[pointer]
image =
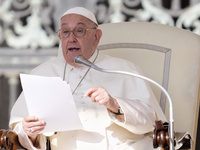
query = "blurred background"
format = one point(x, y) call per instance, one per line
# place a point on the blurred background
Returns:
point(28, 33)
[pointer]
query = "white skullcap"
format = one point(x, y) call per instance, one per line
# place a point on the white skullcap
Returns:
point(83, 12)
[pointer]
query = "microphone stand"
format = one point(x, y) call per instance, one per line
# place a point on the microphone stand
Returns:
point(82, 60)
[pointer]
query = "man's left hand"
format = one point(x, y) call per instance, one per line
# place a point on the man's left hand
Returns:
point(101, 96)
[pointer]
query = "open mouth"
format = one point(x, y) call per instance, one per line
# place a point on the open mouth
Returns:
point(73, 49)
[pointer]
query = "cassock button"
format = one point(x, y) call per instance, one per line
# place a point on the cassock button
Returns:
point(80, 76)
point(82, 102)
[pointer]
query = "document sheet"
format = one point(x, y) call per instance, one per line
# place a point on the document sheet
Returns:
point(51, 100)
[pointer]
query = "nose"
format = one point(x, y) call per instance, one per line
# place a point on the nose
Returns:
point(72, 37)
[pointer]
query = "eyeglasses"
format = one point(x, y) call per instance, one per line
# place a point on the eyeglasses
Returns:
point(78, 32)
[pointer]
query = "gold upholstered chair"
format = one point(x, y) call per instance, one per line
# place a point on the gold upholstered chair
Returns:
point(166, 54)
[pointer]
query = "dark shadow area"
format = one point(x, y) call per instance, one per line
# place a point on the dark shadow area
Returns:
point(198, 134)
point(4, 102)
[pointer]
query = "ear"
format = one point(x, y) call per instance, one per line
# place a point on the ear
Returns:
point(59, 35)
point(97, 37)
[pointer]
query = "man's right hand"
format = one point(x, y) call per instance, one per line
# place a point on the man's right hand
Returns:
point(33, 126)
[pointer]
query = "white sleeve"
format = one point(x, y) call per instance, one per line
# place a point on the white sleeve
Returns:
point(26, 142)
point(139, 116)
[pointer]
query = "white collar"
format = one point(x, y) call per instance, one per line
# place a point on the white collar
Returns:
point(69, 67)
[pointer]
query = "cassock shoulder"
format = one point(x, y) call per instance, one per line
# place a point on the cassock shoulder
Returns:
point(53, 67)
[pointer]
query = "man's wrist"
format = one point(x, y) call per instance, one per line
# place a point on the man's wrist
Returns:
point(120, 112)
point(35, 141)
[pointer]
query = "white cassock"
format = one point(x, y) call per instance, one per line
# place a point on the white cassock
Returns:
point(102, 131)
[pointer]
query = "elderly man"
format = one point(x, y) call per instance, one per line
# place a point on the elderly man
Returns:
point(117, 112)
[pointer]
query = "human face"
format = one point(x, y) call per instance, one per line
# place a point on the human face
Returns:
point(72, 45)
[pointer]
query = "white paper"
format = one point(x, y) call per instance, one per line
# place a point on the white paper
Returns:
point(51, 100)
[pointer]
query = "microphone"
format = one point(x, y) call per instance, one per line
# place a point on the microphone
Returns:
point(79, 59)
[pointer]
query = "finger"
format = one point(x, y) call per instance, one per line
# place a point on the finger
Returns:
point(102, 99)
point(36, 129)
point(29, 126)
point(31, 118)
point(89, 92)
point(93, 99)
point(97, 96)
point(37, 123)
point(103, 102)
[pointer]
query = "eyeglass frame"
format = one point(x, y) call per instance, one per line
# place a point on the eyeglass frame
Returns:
point(94, 28)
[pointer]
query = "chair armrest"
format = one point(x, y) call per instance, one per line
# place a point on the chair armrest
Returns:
point(9, 140)
point(182, 140)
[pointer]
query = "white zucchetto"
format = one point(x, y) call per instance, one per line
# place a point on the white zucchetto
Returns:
point(81, 11)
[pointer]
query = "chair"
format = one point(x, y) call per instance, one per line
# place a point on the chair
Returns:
point(9, 140)
point(168, 55)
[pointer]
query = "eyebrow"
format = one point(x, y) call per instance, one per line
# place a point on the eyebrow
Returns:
point(79, 23)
